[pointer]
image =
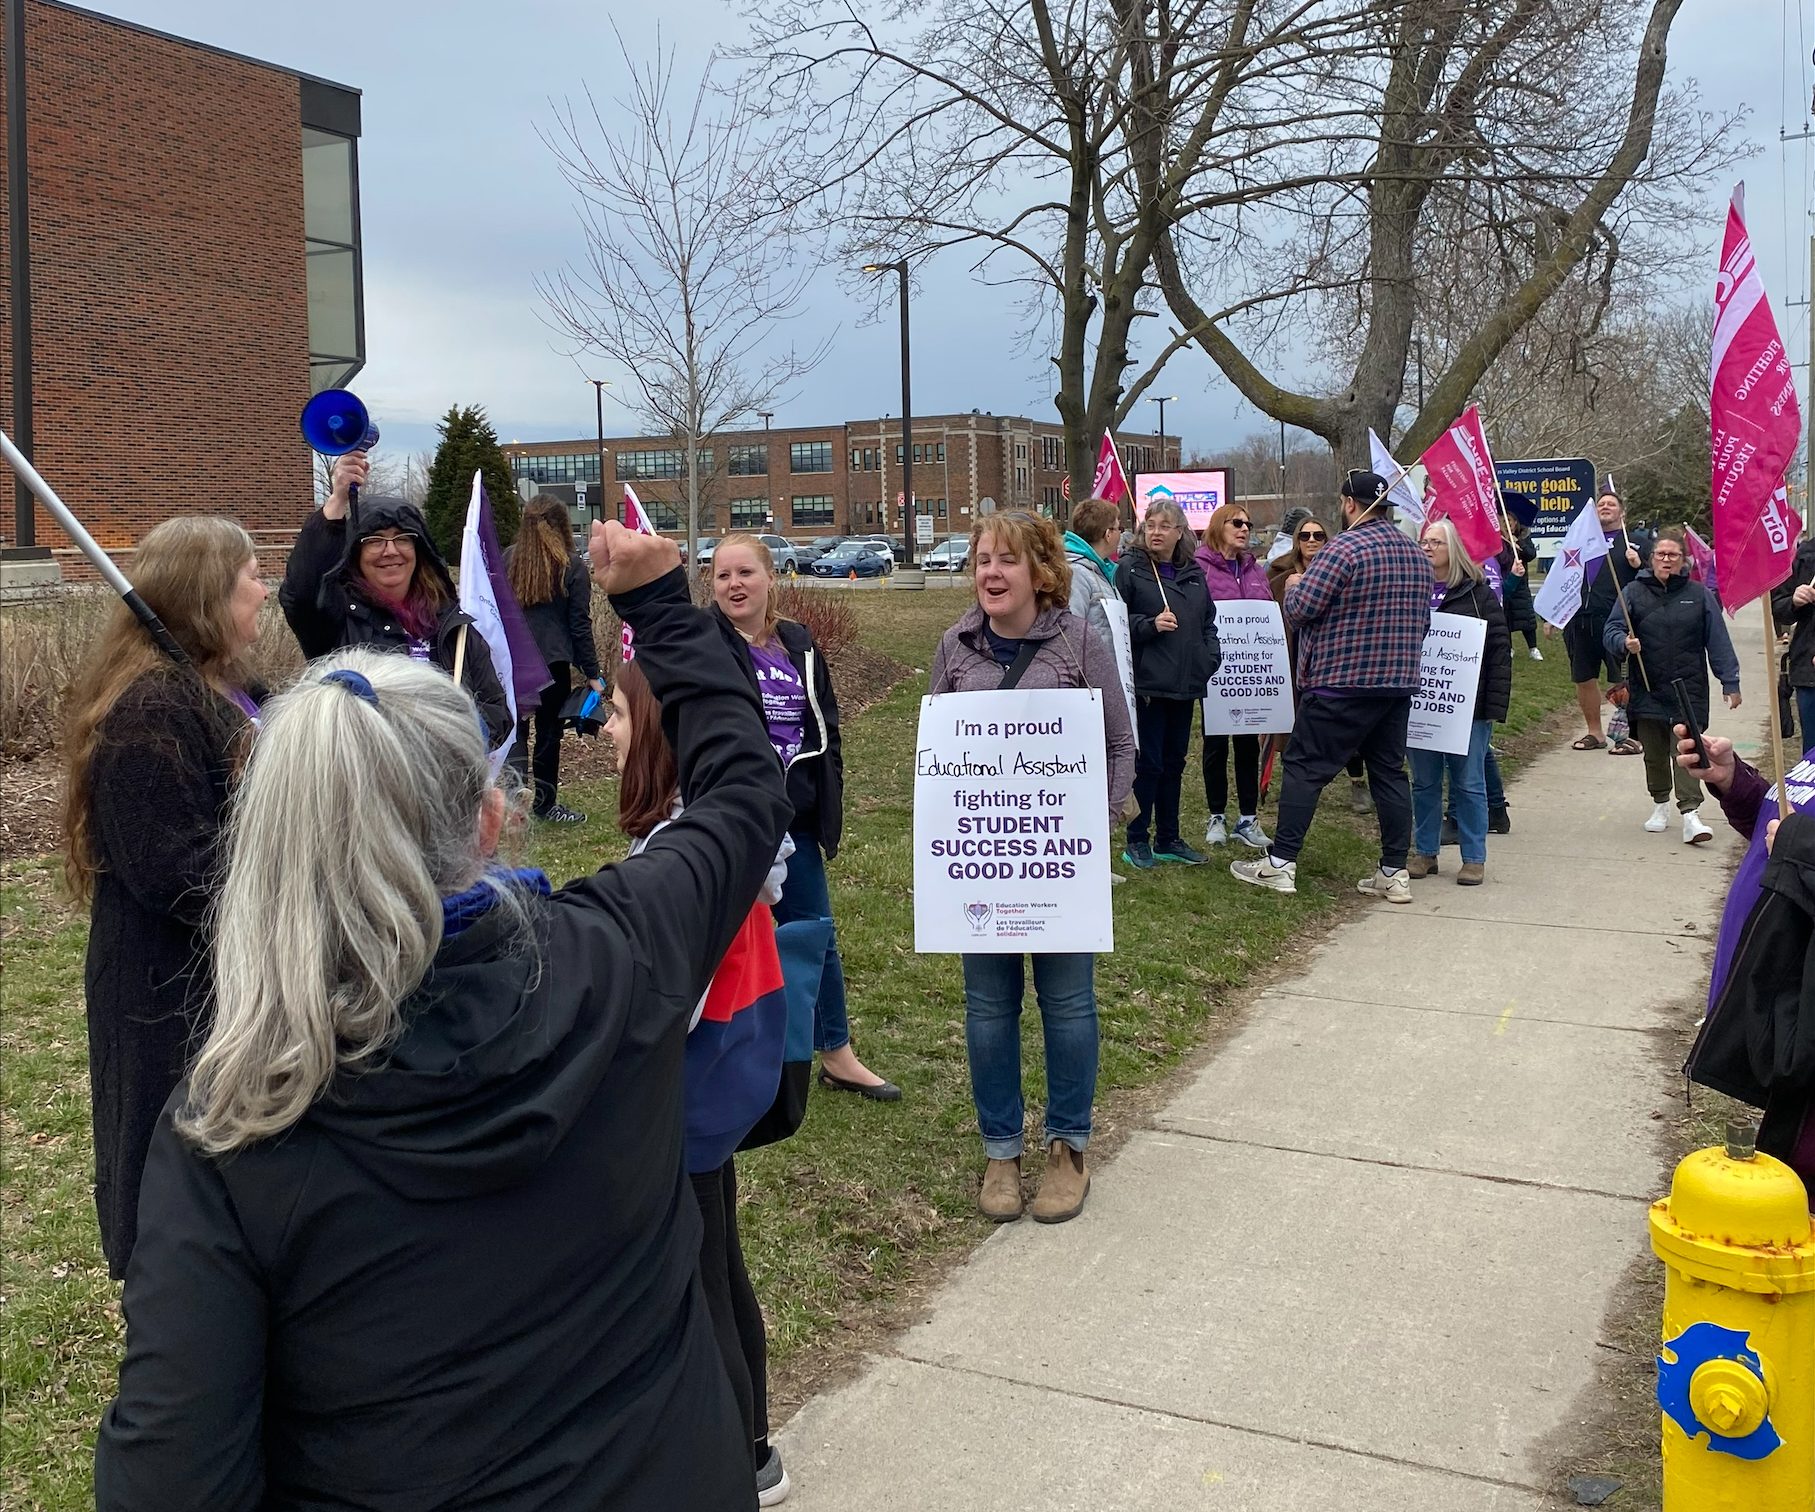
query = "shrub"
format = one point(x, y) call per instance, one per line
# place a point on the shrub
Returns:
point(827, 612)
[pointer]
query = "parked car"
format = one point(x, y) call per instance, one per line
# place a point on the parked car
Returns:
point(893, 545)
point(788, 558)
point(951, 555)
point(708, 545)
point(863, 558)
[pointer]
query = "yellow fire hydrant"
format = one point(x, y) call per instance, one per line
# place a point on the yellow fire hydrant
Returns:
point(1736, 1374)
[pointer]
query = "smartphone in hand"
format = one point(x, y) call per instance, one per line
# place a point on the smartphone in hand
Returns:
point(1685, 712)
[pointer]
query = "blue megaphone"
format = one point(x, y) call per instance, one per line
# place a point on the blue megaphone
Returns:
point(334, 423)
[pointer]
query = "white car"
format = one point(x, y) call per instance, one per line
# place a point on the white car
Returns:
point(948, 556)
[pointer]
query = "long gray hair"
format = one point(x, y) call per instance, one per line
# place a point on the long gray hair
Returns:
point(357, 813)
point(1462, 567)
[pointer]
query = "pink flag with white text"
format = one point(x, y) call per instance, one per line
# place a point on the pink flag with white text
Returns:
point(1756, 422)
point(1701, 556)
point(1110, 482)
point(635, 518)
point(1462, 486)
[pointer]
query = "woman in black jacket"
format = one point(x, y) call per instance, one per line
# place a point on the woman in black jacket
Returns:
point(150, 749)
point(1461, 588)
point(1793, 607)
point(801, 711)
point(550, 582)
point(1515, 559)
point(417, 1232)
point(381, 583)
point(1173, 626)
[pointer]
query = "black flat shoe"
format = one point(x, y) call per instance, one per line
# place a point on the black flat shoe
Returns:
point(881, 1092)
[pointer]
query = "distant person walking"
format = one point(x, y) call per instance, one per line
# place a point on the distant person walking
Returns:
point(1233, 574)
point(1676, 631)
point(1362, 609)
point(1516, 558)
point(1461, 588)
point(1175, 653)
point(554, 587)
point(1585, 636)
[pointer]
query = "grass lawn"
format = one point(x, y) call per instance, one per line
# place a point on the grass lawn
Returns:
point(841, 1223)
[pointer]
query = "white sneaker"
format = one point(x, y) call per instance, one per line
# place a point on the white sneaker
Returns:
point(1659, 820)
point(1536, 654)
point(1395, 887)
point(1217, 833)
point(1264, 871)
point(1249, 832)
point(1694, 831)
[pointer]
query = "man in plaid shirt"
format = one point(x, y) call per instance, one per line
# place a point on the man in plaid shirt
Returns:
point(1361, 609)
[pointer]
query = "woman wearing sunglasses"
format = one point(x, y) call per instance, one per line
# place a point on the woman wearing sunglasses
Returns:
point(1233, 573)
point(1309, 538)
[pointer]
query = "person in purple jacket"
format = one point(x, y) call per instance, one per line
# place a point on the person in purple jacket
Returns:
point(1233, 573)
point(1020, 631)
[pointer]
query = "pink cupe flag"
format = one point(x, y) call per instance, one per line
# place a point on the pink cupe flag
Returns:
point(635, 518)
point(1462, 485)
point(1756, 423)
point(1701, 556)
point(1110, 482)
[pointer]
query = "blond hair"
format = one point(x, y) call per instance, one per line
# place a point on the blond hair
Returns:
point(765, 559)
point(1462, 567)
point(542, 552)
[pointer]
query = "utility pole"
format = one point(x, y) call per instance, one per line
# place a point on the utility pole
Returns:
point(599, 385)
point(18, 226)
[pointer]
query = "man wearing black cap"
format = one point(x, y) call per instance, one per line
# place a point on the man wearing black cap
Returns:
point(1361, 609)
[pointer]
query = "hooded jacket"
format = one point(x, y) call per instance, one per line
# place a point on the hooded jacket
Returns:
point(1493, 689)
point(1092, 585)
point(1067, 655)
point(327, 610)
point(1798, 619)
point(1169, 663)
point(1244, 577)
point(467, 1277)
point(1681, 633)
point(1516, 586)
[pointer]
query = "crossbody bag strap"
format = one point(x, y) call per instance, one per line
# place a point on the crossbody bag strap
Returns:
point(1024, 658)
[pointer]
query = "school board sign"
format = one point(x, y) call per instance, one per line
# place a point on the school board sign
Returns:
point(1251, 693)
point(1560, 485)
point(1011, 823)
point(1443, 709)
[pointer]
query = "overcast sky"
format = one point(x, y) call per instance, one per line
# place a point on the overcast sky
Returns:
point(463, 207)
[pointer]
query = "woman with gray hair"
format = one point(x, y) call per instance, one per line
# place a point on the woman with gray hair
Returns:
point(416, 1232)
point(1461, 588)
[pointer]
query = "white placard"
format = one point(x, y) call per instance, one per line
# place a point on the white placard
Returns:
point(1443, 711)
point(1121, 641)
point(1251, 693)
point(1011, 823)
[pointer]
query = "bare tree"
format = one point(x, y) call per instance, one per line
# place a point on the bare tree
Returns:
point(682, 283)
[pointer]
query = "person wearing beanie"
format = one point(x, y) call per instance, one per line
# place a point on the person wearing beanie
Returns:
point(1361, 610)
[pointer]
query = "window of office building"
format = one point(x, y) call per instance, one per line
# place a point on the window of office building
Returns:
point(749, 514)
point(812, 509)
point(810, 456)
point(666, 516)
point(331, 244)
point(939, 508)
point(650, 464)
point(559, 467)
point(1052, 453)
point(1020, 480)
point(1049, 499)
point(748, 461)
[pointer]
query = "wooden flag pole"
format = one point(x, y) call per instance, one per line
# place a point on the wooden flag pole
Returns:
point(1620, 593)
point(1783, 796)
point(459, 654)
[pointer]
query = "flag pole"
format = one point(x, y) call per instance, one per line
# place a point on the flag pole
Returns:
point(1783, 796)
point(1631, 629)
point(459, 654)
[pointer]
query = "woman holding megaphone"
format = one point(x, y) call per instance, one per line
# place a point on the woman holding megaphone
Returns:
point(378, 581)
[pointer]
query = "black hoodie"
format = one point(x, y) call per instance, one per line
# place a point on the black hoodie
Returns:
point(467, 1277)
point(326, 609)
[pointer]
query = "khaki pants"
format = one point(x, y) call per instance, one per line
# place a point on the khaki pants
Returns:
point(1662, 774)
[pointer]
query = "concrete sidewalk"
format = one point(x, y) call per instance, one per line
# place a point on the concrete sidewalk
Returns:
point(1361, 1260)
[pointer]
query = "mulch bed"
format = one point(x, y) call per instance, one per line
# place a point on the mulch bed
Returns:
point(31, 791)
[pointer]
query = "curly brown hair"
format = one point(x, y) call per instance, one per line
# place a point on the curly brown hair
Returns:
point(1038, 540)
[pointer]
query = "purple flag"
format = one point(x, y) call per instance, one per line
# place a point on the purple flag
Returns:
point(485, 595)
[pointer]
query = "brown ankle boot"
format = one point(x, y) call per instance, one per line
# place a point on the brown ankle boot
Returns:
point(1063, 1185)
point(1001, 1197)
point(1421, 866)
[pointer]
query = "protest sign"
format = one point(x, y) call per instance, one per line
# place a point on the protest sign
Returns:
point(1011, 823)
point(1251, 693)
point(1560, 485)
point(1443, 710)
point(1121, 641)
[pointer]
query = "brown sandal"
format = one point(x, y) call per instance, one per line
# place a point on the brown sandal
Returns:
point(1626, 746)
point(1587, 743)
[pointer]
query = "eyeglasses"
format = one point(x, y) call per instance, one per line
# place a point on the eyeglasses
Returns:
point(1312, 535)
point(376, 544)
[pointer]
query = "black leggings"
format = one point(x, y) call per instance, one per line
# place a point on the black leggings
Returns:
point(737, 1320)
point(541, 761)
point(1247, 773)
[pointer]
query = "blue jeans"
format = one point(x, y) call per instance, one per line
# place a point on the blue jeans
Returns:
point(1065, 985)
point(1496, 788)
point(1468, 791)
point(805, 894)
point(1805, 717)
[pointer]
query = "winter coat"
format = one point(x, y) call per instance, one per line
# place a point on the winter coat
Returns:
point(1243, 577)
point(1092, 585)
point(327, 610)
point(562, 626)
point(1169, 663)
point(1681, 633)
point(1493, 689)
point(468, 1276)
point(1520, 615)
point(816, 774)
point(157, 799)
point(1068, 655)
point(1799, 620)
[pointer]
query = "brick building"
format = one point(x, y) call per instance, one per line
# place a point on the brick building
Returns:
point(840, 479)
point(195, 275)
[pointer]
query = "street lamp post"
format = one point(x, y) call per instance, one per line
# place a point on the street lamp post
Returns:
point(908, 511)
point(768, 476)
point(599, 385)
point(1162, 400)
